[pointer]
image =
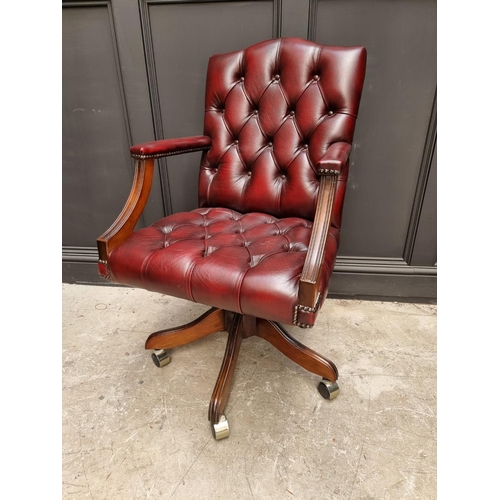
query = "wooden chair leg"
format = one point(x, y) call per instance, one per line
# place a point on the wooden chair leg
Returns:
point(211, 322)
point(240, 327)
point(223, 385)
point(275, 334)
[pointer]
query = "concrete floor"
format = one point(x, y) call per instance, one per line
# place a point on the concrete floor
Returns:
point(133, 431)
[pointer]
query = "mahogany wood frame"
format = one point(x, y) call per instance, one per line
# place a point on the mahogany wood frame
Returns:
point(215, 320)
point(125, 223)
point(239, 327)
point(308, 284)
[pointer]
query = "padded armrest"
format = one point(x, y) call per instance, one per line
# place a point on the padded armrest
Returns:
point(168, 147)
point(335, 158)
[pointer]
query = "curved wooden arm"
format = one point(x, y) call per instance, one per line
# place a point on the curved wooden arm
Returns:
point(145, 155)
point(329, 169)
point(124, 225)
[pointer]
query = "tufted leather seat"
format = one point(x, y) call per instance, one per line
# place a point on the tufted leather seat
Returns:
point(247, 263)
point(260, 249)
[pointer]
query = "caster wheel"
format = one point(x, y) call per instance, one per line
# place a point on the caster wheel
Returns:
point(328, 389)
point(221, 430)
point(160, 357)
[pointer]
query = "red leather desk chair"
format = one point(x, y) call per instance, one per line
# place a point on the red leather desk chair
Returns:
point(260, 250)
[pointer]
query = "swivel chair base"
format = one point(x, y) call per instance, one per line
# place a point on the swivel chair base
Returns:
point(240, 327)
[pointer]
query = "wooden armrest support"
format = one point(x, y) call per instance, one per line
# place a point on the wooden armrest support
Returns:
point(329, 168)
point(124, 225)
point(145, 155)
point(169, 147)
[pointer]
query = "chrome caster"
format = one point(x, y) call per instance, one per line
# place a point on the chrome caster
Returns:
point(328, 389)
point(221, 430)
point(160, 357)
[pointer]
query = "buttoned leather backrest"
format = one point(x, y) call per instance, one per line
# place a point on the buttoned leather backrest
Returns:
point(272, 110)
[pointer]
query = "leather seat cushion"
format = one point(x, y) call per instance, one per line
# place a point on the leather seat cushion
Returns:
point(247, 263)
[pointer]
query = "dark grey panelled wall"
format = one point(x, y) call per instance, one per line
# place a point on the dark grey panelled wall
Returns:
point(135, 71)
point(394, 143)
point(180, 74)
point(94, 120)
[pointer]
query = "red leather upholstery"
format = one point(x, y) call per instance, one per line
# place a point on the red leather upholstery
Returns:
point(247, 263)
point(275, 113)
point(335, 158)
point(157, 149)
point(272, 111)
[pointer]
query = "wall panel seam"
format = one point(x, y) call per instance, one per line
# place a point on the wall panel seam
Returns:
point(423, 176)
